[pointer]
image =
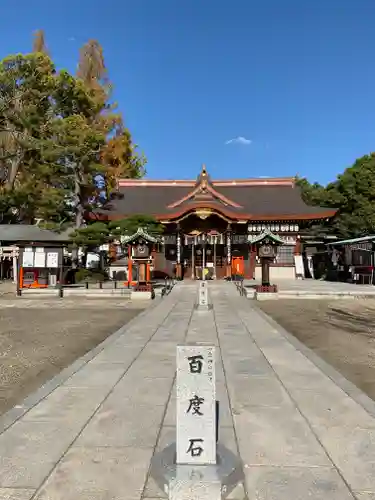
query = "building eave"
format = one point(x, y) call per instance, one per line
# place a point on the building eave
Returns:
point(260, 181)
point(327, 214)
point(230, 214)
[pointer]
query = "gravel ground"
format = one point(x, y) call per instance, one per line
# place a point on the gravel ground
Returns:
point(40, 337)
point(342, 332)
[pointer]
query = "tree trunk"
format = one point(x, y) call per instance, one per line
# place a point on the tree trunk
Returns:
point(78, 217)
point(84, 258)
point(14, 166)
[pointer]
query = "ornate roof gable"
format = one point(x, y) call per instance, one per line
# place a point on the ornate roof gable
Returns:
point(204, 191)
point(139, 235)
point(267, 238)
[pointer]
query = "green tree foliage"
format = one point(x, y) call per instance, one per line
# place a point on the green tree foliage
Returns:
point(91, 236)
point(95, 234)
point(352, 193)
point(58, 135)
point(129, 226)
point(26, 86)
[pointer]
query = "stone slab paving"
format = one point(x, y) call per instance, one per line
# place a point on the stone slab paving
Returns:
point(317, 286)
point(92, 436)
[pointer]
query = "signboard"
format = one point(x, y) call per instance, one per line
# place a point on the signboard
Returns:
point(40, 259)
point(28, 258)
point(196, 418)
point(274, 228)
point(361, 246)
point(52, 259)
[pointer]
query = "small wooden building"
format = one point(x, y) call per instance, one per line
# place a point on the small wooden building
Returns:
point(36, 255)
point(354, 259)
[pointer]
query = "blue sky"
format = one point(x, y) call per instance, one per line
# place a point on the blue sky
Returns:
point(294, 77)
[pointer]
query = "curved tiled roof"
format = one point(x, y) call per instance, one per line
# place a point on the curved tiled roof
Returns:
point(262, 199)
point(29, 233)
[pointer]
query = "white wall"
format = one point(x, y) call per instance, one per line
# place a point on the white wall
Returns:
point(118, 269)
point(276, 273)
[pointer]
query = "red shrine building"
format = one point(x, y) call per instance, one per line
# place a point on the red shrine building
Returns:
point(210, 224)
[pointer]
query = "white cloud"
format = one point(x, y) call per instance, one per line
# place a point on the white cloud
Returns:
point(239, 140)
point(71, 39)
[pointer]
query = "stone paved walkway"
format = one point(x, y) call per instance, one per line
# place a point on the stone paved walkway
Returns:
point(299, 435)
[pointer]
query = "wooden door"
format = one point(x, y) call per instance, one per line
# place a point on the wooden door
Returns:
point(238, 266)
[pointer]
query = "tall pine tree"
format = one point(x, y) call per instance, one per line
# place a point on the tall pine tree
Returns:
point(119, 156)
point(59, 134)
point(26, 85)
point(39, 43)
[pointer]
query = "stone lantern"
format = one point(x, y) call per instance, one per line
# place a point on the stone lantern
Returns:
point(266, 245)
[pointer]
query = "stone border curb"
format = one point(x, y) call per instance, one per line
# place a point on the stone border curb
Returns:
point(348, 387)
point(14, 414)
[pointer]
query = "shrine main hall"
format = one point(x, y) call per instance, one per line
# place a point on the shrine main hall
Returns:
point(211, 226)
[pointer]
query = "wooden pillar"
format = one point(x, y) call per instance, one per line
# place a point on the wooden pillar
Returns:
point(254, 256)
point(214, 274)
point(61, 267)
point(152, 261)
point(130, 265)
point(142, 272)
point(204, 260)
point(15, 266)
point(298, 263)
point(193, 260)
point(20, 277)
point(178, 271)
point(298, 246)
point(229, 254)
point(265, 271)
point(252, 261)
point(178, 259)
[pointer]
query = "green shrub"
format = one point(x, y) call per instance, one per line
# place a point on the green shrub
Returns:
point(92, 275)
point(82, 275)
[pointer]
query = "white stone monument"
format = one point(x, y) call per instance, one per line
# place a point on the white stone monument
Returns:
point(189, 469)
point(196, 407)
point(203, 296)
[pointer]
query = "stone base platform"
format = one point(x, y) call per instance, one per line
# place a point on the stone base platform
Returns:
point(310, 289)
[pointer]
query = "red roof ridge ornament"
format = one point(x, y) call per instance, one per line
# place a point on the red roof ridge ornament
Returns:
point(203, 178)
point(204, 187)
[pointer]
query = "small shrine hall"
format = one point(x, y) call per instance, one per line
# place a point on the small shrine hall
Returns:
point(210, 225)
